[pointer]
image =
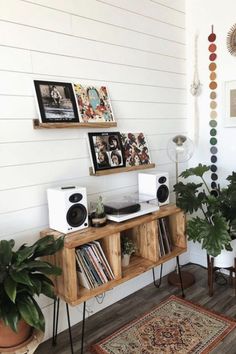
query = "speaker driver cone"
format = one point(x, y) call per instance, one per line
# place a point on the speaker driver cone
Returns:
point(76, 215)
point(162, 193)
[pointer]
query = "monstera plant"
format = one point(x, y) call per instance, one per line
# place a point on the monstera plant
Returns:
point(214, 224)
point(22, 277)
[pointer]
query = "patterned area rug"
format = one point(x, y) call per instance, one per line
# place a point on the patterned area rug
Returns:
point(174, 326)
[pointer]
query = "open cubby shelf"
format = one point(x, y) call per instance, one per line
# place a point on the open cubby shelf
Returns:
point(64, 125)
point(144, 232)
point(120, 169)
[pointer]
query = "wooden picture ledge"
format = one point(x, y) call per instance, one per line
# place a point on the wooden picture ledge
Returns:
point(65, 125)
point(120, 170)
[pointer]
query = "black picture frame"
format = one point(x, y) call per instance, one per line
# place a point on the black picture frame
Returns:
point(106, 150)
point(56, 102)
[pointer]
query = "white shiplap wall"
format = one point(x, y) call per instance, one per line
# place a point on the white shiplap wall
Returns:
point(136, 48)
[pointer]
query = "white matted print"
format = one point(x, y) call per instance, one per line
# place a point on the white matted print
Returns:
point(56, 101)
point(94, 104)
point(230, 104)
point(106, 150)
point(136, 151)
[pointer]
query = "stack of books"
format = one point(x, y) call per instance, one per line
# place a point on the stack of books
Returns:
point(93, 268)
point(164, 237)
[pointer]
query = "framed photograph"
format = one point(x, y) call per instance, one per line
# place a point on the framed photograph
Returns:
point(56, 101)
point(230, 104)
point(106, 150)
point(94, 104)
point(135, 147)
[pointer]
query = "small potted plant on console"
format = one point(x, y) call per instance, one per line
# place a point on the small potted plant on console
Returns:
point(127, 248)
point(98, 217)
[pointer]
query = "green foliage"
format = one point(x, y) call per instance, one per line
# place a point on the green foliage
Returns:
point(217, 224)
point(99, 208)
point(127, 245)
point(22, 276)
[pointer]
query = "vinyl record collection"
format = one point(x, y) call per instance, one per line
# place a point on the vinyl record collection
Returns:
point(164, 237)
point(93, 268)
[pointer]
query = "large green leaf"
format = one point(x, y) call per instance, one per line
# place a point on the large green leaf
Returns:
point(21, 277)
point(11, 317)
point(51, 270)
point(5, 252)
point(48, 245)
point(195, 171)
point(34, 265)
point(47, 290)
point(10, 288)
point(189, 198)
point(42, 278)
point(30, 312)
point(23, 253)
point(213, 235)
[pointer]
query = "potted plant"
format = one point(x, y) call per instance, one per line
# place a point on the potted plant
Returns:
point(214, 226)
point(127, 248)
point(22, 277)
point(98, 217)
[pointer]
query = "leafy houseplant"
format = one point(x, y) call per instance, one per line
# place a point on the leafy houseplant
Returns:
point(98, 217)
point(22, 276)
point(127, 248)
point(215, 228)
point(127, 245)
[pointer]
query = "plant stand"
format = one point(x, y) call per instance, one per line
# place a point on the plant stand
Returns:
point(211, 270)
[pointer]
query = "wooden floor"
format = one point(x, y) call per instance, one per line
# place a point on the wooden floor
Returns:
point(110, 319)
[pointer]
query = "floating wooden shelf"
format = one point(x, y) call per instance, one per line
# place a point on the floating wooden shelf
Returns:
point(120, 169)
point(38, 125)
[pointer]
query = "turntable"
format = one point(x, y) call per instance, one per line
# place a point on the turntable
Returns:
point(122, 210)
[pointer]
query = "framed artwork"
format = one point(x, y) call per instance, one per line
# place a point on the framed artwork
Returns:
point(94, 104)
point(106, 150)
point(56, 101)
point(135, 147)
point(230, 104)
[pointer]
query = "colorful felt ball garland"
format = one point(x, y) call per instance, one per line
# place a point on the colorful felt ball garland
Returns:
point(213, 108)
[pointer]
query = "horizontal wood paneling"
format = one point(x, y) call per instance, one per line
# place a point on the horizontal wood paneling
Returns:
point(20, 84)
point(28, 175)
point(73, 67)
point(135, 48)
point(15, 59)
point(152, 10)
point(51, 42)
point(31, 15)
point(100, 31)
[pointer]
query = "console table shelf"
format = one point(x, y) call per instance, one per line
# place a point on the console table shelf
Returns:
point(142, 230)
point(38, 125)
point(120, 170)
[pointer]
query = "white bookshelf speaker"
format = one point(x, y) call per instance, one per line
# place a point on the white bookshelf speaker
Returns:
point(155, 185)
point(67, 206)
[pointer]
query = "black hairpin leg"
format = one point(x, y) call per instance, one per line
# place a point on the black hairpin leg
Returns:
point(83, 326)
point(69, 328)
point(56, 306)
point(180, 276)
point(157, 284)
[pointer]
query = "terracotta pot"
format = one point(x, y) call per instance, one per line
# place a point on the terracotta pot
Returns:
point(9, 338)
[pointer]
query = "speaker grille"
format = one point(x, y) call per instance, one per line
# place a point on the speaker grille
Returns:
point(162, 193)
point(76, 215)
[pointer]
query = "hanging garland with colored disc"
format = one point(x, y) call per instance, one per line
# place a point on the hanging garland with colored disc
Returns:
point(213, 108)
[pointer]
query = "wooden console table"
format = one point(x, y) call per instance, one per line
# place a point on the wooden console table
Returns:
point(144, 232)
